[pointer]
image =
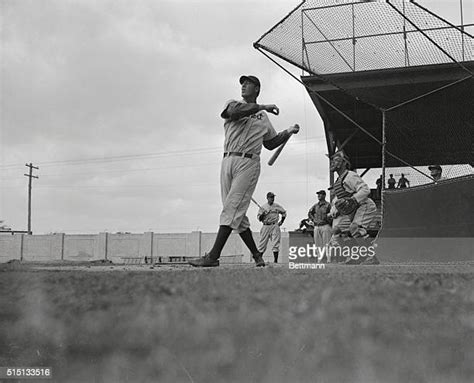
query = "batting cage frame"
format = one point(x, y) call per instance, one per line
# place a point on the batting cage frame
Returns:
point(393, 84)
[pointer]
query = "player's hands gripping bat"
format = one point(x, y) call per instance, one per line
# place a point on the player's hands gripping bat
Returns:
point(262, 216)
point(293, 130)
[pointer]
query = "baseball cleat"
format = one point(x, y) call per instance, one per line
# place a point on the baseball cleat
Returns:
point(205, 261)
point(259, 262)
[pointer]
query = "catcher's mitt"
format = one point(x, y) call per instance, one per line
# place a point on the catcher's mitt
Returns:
point(346, 206)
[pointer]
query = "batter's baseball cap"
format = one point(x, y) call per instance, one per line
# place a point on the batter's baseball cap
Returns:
point(250, 78)
point(270, 194)
point(433, 167)
point(321, 192)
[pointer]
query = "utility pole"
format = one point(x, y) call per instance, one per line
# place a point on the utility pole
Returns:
point(30, 176)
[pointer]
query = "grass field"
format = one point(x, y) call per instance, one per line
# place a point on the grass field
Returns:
point(241, 324)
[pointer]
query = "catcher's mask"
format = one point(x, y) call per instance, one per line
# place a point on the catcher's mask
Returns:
point(343, 156)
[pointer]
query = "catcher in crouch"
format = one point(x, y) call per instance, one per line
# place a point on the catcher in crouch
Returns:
point(352, 209)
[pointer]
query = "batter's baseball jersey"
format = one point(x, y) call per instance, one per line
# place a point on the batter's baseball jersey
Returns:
point(247, 133)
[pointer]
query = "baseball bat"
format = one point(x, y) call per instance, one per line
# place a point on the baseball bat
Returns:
point(256, 203)
point(273, 158)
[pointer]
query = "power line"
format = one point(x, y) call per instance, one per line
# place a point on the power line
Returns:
point(135, 170)
point(125, 157)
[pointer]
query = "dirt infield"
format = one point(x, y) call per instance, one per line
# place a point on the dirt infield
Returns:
point(110, 323)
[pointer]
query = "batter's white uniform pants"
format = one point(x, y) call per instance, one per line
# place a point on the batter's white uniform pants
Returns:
point(269, 233)
point(239, 178)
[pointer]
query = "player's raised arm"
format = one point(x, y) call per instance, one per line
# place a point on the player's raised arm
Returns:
point(236, 110)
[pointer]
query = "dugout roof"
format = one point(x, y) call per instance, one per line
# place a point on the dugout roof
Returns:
point(436, 129)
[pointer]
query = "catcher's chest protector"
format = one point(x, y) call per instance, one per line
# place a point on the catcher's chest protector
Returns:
point(339, 188)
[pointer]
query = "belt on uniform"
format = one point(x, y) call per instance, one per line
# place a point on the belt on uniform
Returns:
point(238, 154)
point(322, 224)
point(269, 224)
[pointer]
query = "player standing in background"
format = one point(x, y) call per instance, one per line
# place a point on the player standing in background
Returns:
point(322, 222)
point(269, 215)
point(247, 127)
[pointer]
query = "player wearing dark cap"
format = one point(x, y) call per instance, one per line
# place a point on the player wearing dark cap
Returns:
point(247, 128)
point(269, 214)
point(322, 222)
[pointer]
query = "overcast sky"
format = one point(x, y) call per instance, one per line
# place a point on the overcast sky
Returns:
point(117, 102)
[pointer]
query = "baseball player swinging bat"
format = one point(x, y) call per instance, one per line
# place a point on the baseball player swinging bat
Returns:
point(273, 158)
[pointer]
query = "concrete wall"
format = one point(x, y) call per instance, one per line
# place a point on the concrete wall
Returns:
point(81, 247)
point(116, 247)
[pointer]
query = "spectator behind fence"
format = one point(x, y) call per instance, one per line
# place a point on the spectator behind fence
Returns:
point(436, 172)
point(391, 182)
point(379, 184)
point(403, 182)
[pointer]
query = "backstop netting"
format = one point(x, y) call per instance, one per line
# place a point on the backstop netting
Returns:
point(430, 122)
